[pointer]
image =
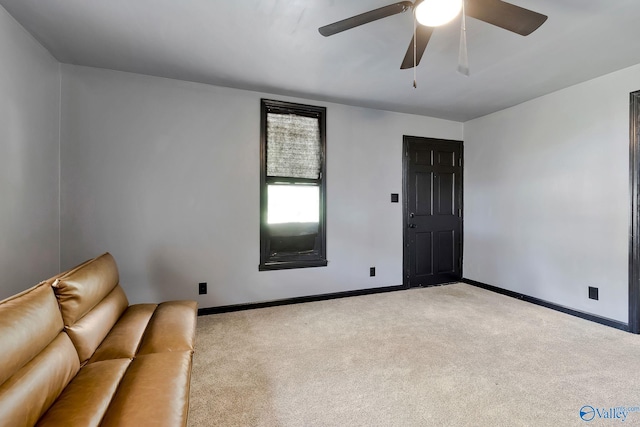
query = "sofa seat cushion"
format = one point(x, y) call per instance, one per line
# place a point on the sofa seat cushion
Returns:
point(150, 328)
point(124, 338)
point(153, 392)
point(172, 328)
point(86, 399)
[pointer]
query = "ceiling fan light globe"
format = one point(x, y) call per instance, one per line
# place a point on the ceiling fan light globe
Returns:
point(434, 13)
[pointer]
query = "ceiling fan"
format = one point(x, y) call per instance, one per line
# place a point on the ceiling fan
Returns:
point(429, 14)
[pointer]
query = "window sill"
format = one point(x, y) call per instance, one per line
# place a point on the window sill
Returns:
point(285, 265)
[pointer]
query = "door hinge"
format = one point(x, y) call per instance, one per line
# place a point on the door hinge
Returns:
point(459, 213)
point(459, 161)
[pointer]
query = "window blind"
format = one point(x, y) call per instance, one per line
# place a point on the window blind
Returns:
point(293, 146)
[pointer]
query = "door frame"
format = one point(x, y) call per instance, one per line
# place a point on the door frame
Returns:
point(634, 222)
point(405, 208)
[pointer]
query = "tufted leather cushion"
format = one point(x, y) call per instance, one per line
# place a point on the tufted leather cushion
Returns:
point(29, 321)
point(172, 328)
point(88, 332)
point(86, 399)
point(91, 301)
point(151, 379)
point(82, 288)
point(29, 392)
point(37, 360)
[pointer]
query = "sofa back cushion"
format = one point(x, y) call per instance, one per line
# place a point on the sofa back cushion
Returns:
point(37, 360)
point(91, 301)
point(83, 287)
point(29, 321)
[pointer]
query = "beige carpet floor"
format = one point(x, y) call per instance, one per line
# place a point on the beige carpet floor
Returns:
point(452, 355)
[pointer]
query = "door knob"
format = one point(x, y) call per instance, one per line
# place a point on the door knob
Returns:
point(412, 226)
point(411, 215)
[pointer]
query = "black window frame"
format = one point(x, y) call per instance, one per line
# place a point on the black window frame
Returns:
point(292, 260)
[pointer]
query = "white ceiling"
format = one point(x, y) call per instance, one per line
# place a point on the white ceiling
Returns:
point(274, 46)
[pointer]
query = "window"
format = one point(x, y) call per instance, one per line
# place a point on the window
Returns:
point(292, 186)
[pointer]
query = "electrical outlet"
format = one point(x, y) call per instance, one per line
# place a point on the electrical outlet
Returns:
point(372, 271)
point(593, 293)
point(202, 288)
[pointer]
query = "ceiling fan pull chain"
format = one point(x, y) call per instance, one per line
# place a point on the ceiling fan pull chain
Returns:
point(415, 85)
point(463, 58)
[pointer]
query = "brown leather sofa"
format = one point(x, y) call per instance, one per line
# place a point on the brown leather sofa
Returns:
point(74, 353)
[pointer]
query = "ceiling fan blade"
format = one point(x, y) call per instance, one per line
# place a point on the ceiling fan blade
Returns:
point(423, 35)
point(506, 15)
point(365, 18)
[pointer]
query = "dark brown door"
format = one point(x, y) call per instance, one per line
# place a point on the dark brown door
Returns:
point(432, 211)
